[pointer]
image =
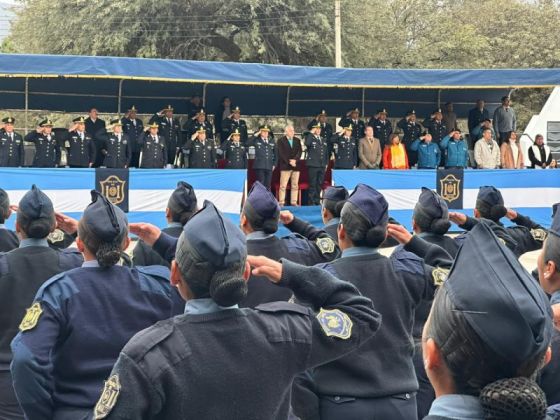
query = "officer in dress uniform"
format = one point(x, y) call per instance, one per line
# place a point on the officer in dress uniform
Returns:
point(95, 127)
point(235, 152)
point(352, 119)
point(234, 123)
point(153, 154)
point(22, 273)
point(524, 237)
point(80, 320)
point(182, 368)
point(47, 147)
point(345, 149)
point(169, 128)
point(265, 156)
point(8, 238)
point(12, 153)
point(199, 120)
point(317, 162)
point(382, 127)
point(331, 206)
point(202, 151)
point(182, 205)
point(116, 147)
point(378, 377)
point(411, 131)
point(134, 128)
point(79, 146)
point(326, 128)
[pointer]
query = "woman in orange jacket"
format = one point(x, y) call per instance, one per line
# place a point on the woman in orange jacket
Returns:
point(394, 154)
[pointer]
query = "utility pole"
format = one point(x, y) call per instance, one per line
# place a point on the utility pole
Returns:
point(337, 35)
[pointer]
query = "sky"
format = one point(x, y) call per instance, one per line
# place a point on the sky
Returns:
point(5, 15)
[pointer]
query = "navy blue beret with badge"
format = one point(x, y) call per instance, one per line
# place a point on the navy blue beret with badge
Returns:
point(490, 195)
point(431, 204)
point(105, 220)
point(211, 237)
point(371, 203)
point(183, 198)
point(35, 204)
point(336, 193)
point(500, 300)
point(263, 202)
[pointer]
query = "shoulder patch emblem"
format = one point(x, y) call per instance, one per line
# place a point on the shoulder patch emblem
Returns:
point(108, 397)
point(326, 245)
point(55, 236)
point(335, 323)
point(31, 317)
point(539, 234)
point(440, 275)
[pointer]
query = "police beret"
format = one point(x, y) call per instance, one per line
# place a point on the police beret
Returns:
point(9, 120)
point(116, 121)
point(264, 128)
point(499, 299)
point(35, 204)
point(79, 120)
point(211, 237)
point(371, 203)
point(432, 205)
point(183, 198)
point(46, 123)
point(555, 227)
point(490, 195)
point(105, 220)
point(263, 202)
point(336, 193)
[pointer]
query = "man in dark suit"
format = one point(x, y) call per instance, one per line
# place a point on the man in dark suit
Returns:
point(289, 153)
point(169, 128)
point(95, 127)
point(133, 127)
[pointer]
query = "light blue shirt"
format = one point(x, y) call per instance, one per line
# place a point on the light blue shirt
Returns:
point(291, 141)
point(24, 243)
point(258, 234)
point(90, 264)
point(205, 306)
point(333, 221)
point(457, 406)
point(359, 250)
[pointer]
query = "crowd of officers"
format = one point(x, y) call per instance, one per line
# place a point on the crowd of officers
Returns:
point(314, 325)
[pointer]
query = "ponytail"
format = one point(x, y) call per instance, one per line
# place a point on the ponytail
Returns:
point(513, 399)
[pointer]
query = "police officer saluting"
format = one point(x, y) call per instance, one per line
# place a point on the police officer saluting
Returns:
point(265, 156)
point(352, 119)
point(317, 162)
point(234, 123)
point(345, 150)
point(412, 130)
point(79, 146)
point(47, 148)
point(202, 151)
point(22, 272)
point(326, 128)
point(80, 320)
point(169, 128)
point(182, 368)
point(12, 153)
point(134, 128)
point(382, 127)
point(235, 152)
point(116, 147)
point(153, 155)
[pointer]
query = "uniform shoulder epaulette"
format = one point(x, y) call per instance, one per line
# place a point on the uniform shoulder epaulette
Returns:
point(148, 274)
point(154, 270)
point(403, 260)
point(56, 289)
point(276, 307)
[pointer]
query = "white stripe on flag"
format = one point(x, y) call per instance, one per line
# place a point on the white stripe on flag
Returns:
point(63, 200)
point(156, 200)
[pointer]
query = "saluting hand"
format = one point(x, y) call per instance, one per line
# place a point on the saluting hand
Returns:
point(145, 231)
point(457, 218)
point(399, 233)
point(263, 266)
point(14, 208)
point(66, 223)
point(286, 217)
point(511, 214)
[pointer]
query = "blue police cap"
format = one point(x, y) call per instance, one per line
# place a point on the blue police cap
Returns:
point(105, 220)
point(183, 198)
point(371, 203)
point(35, 204)
point(431, 204)
point(499, 299)
point(211, 237)
point(263, 202)
point(336, 193)
point(490, 195)
point(555, 227)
